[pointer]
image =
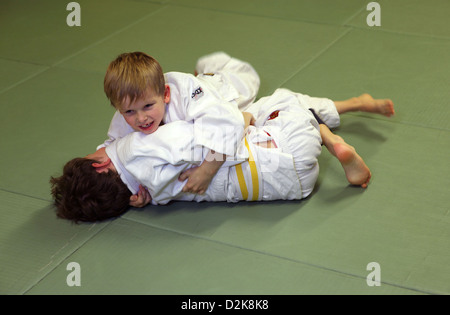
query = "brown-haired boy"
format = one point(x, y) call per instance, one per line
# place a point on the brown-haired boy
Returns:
point(277, 159)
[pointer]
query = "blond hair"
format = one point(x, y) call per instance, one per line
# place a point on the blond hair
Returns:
point(130, 74)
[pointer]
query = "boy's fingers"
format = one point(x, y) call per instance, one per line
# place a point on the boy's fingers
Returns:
point(134, 202)
point(145, 197)
point(187, 188)
point(141, 199)
point(148, 197)
point(193, 190)
point(185, 175)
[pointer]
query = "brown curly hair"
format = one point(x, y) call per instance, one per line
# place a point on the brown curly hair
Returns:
point(82, 194)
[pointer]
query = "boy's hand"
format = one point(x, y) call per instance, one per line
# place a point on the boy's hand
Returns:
point(142, 198)
point(200, 177)
point(198, 180)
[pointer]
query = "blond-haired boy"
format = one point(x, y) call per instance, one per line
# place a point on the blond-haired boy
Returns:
point(213, 99)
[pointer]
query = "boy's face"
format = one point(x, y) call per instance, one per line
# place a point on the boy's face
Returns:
point(145, 114)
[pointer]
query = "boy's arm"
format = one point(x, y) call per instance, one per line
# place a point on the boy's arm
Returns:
point(200, 177)
point(219, 127)
point(219, 124)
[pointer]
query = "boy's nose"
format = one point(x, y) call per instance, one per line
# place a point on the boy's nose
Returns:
point(142, 117)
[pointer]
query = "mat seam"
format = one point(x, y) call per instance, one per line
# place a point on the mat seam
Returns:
point(340, 272)
point(317, 55)
point(57, 63)
point(63, 258)
point(345, 23)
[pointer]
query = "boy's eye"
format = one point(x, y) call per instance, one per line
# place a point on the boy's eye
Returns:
point(129, 112)
point(148, 106)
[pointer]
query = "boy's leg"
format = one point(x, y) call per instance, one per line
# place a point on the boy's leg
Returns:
point(356, 170)
point(329, 111)
point(366, 103)
point(239, 75)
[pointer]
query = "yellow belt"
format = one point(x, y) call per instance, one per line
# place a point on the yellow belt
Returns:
point(254, 173)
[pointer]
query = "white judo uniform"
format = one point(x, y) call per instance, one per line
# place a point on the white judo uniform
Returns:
point(286, 172)
point(213, 101)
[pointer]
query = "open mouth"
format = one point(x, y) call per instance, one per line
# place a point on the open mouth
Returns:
point(146, 127)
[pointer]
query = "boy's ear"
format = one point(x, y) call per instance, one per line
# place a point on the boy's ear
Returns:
point(167, 94)
point(99, 165)
point(102, 167)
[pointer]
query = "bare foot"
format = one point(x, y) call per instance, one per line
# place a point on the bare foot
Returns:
point(383, 107)
point(356, 170)
point(366, 103)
